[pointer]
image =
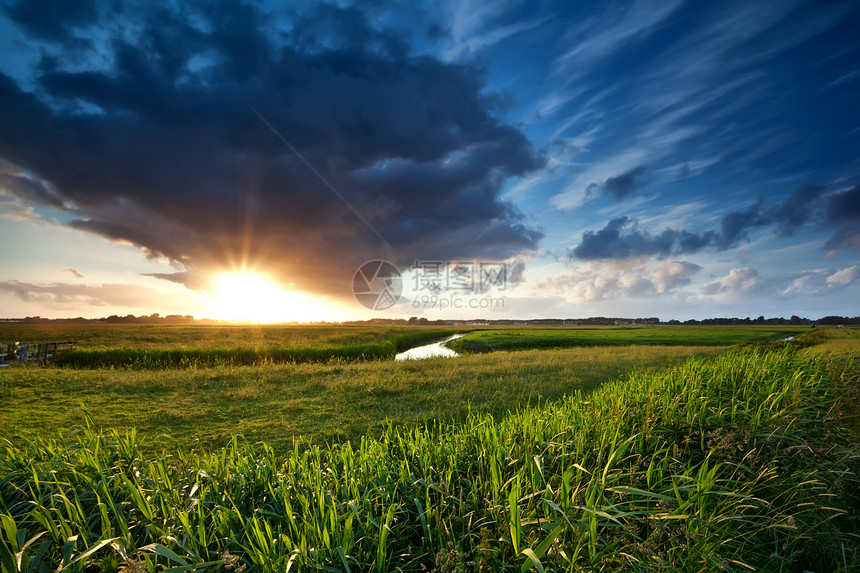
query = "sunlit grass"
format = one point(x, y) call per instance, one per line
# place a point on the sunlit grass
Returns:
point(99, 337)
point(843, 342)
point(144, 347)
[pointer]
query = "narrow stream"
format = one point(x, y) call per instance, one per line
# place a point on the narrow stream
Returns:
point(432, 350)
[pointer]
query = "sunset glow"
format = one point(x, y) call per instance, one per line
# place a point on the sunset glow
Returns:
point(249, 297)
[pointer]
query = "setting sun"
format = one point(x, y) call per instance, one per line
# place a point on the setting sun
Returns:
point(251, 297)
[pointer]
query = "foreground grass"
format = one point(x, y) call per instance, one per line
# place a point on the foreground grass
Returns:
point(317, 402)
point(537, 338)
point(733, 463)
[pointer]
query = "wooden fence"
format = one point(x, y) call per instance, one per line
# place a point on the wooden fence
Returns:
point(33, 352)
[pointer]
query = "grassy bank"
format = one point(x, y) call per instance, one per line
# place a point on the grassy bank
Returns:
point(732, 463)
point(159, 347)
point(541, 338)
point(205, 357)
point(318, 402)
point(202, 337)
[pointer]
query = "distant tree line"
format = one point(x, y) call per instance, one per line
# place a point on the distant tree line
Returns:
point(116, 319)
point(416, 321)
point(795, 320)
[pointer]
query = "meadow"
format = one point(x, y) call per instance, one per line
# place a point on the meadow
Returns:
point(639, 457)
point(537, 338)
point(278, 403)
point(184, 346)
point(197, 385)
point(172, 337)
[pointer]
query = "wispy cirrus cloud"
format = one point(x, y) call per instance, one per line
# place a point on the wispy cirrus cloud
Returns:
point(697, 82)
point(647, 144)
point(606, 33)
point(477, 40)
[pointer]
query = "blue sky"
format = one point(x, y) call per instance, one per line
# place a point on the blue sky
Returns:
point(671, 159)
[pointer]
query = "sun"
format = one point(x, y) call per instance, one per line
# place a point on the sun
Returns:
point(252, 297)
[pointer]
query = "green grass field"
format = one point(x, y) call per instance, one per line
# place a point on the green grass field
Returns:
point(635, 457)
point(315, 402)
point(181, 337)
point(738, 462)
point(536, 338)
point(160, 347)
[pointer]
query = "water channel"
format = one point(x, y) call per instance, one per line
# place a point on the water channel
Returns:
point(433, 350)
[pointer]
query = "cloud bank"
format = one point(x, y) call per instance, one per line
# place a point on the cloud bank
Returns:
point(595, 282)
point(622, 238)
point(746, 282)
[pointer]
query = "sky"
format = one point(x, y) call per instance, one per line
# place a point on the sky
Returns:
point(306, 161)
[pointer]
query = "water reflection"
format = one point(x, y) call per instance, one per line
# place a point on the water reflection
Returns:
point(433, 350)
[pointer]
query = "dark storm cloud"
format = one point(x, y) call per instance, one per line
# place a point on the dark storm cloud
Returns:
point(843, 214)
point(846, 236)
point(30, 190)
point(626, 183)
point(163, 148)
point(622, 238)
point(52, 19)
point(798, 208)
point(736, 225)
point(193, 280)
point(844, 207)
point(809, 204)
point(622, 185)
